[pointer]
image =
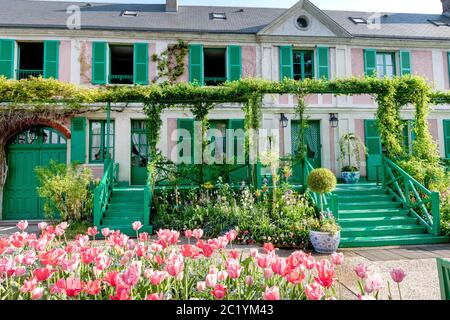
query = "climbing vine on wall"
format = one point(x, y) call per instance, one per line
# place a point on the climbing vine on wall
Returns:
point(303, 124)
point(170, 63)
point(390, 94)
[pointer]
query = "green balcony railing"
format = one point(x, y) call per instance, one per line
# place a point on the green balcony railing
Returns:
point(214, 81)
point(421, 202)
point(25, 74)
point(103, 193)
point(120, 78)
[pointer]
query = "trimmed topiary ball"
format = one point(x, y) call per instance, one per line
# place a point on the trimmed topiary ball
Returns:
point(322, 181)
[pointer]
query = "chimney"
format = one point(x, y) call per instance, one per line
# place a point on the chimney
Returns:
point(446, 7)
point(171, 5)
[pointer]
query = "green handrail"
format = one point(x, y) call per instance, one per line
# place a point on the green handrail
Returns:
point(443, 266)
point(421, 202)
point(330, 200)
point(148, 198)
point(103, 193)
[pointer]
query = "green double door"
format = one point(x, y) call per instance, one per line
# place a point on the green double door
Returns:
point(313, 144)
point(26, 151)
point(140, 153)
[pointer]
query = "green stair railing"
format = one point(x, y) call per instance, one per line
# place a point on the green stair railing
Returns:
point(103, 193)
point(148, 198)
point(443, 266)
point(330, 200)
point(421, 202)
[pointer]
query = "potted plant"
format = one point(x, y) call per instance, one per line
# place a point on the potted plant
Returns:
point(325, 234)
point(350, 147)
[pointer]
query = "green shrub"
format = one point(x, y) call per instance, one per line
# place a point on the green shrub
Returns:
point(322, 180)
point(66, 190)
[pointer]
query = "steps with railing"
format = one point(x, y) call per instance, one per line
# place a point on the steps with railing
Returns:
point(398, 211)
point(116, 208)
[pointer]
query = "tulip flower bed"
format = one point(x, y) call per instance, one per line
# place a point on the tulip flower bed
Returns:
point(119, 268)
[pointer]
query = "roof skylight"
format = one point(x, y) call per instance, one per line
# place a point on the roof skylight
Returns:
point(358, 20)
point(218, 16)
point(130, 13)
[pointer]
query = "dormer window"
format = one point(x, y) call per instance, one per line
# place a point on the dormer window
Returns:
point(218, 16)
point(358, 20)
point(130, 13)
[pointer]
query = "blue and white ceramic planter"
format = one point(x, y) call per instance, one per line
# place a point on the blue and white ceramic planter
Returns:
point(351, 177)
point(323, 242)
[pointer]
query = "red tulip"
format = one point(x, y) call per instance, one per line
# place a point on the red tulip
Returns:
point(295, 276)
point(268, 247)
point(398, 274)
point(92, 287)
point(42, 274)
point(112, 278)
point(314, 291)
point(189, 251)
point(325, 273)
point(233, 254)
point(122, 293)
point(272, 293)
point(219, 291)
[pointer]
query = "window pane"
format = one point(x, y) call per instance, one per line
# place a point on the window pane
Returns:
point(380, 71)
point(388, 59)
point(95, 154)
point(380, 59)
point(390, 71)
point(96, 127)
point(297, 70)
point(297, 57)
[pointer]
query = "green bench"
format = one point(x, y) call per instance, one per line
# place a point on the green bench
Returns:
point(443, 266)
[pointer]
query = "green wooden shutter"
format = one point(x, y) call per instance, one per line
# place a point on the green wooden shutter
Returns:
point(78, 142)
point(447, 138)
point(141, 63)
point(239, 172)
point(374, 148)
point(7, 58)
point(286, 66)
point(448, 63)
point(196, 64)
point(370, 62)
point(405, 63)
point(323, 63)
point(99, 62)
point(51, 59)
point(234, 71)
point(187, 124)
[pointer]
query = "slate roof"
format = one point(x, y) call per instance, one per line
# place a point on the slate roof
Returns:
point(243, 20)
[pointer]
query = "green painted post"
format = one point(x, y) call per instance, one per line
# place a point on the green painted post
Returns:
point(407, 191)
point(435, 209)
point(443, 267)
point(97, 207)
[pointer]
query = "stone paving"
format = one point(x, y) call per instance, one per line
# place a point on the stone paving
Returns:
point(419, 262)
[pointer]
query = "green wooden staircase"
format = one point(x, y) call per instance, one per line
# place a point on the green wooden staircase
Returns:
point(117, 208)
point(370, 217)
point(126, 206)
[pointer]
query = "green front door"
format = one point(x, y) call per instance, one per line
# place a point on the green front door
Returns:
point(140, 151)
point(313, 147)
point(26, 151)
point(374, 149)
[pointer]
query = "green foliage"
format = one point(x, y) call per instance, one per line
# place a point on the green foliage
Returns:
point(220, 208)
point(322, 180)
point(75, 228)
point(300, 114)
point(170, 63)
point(326, 224)
point(350, 146)
point(66, 191)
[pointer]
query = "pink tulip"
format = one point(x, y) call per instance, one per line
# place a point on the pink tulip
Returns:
point(42, 226)
point(63, 225)
point(28, 285)
point(254, 252)
point(175, 265)
point(20, 271)
point(314, 291)
point(143, 237)
point(295, 276)
point(211, 280)
point(272, 293)
point(222, 275)
point(157, 277)
point(373, 283)
point(155, 296)
point(398, 274)
point(201, 286)
point(337, 258)
point(188, 234)
point(132, 275)
point(105, 232)
point(137, 225)
point(213, 270)
point(92, 231)
point(231, 235)
point(233, 268)
point(279, 266)
point(197, 233)
point(268, 273)
point(73, 287)
point(361, 270)
point(22, 225)
point(268, 247)
point(263, 262)
point(37, 293)
point(309, 262)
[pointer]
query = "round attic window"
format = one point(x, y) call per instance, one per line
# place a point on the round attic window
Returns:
point(302, 22)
